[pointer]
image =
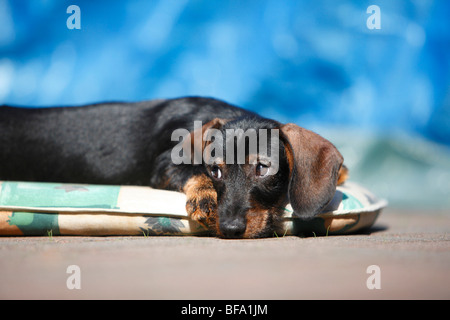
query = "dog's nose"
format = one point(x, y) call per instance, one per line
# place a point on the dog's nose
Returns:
point(233, 229)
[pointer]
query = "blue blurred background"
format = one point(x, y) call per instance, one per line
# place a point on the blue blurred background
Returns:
point(381, 95)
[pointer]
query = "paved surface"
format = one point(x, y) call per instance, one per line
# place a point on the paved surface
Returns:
point(411, 250)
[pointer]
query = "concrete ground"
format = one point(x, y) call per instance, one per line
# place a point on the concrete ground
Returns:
point(411, 249)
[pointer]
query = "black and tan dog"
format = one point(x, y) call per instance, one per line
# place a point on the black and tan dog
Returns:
point(133, 144)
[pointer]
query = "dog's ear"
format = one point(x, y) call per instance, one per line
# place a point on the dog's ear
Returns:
point(314, 165)
point(197, 140)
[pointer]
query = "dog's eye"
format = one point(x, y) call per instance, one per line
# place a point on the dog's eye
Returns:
point(261, 170)
point(216, 173)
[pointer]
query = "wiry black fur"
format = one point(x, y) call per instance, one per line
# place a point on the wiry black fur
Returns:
point(130, 144)
point(110, 143)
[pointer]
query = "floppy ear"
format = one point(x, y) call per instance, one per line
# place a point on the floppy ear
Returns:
point(197, 142)
point(314, 165)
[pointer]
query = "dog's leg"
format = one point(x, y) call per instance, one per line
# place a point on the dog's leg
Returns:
point(201, 198)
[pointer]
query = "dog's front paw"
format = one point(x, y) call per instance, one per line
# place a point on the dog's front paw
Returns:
point(200, 207)
point(201, 199)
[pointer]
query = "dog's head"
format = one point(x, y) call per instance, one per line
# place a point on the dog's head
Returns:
point(257, 166)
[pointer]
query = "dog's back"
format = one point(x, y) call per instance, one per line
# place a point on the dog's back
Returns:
point(110, 143)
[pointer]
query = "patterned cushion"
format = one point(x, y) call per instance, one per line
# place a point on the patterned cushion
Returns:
point(96, 210)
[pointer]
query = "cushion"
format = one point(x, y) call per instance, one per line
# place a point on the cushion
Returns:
point(51, 209)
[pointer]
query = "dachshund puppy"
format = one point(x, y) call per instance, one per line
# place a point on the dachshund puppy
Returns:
point(237, 169)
